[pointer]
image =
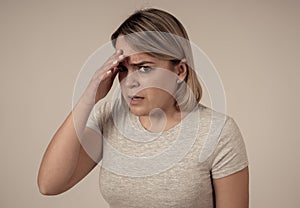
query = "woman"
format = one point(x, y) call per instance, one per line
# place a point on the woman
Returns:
point(158, 112)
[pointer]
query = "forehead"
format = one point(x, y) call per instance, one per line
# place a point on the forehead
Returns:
point(133, 55)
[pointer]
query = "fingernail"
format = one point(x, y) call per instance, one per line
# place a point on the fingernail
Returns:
point(121, 56)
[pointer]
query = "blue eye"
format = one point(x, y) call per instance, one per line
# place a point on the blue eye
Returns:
point(145, 69)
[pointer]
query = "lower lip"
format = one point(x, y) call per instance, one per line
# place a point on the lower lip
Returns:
point(136, 101)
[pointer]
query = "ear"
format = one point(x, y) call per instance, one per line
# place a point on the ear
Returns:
point(181, 69)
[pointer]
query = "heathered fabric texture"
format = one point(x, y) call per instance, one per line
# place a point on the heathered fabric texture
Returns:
point(217, 150)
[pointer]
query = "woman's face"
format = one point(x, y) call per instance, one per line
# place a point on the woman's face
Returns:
point(147, 83)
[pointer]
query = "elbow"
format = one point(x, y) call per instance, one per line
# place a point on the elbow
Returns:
point(46, 189)
point(45, 192)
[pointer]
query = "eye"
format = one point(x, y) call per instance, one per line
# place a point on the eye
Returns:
point(145, 69)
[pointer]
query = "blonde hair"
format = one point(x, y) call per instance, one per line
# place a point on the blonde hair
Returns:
point(163, 36)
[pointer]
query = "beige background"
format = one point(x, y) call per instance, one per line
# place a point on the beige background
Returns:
point(254, 45)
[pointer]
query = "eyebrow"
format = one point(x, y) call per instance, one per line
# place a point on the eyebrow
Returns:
point(140, 63)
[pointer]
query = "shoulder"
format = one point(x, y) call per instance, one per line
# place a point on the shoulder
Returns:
point(218, 129)
point(106, 111)
point(212, 119)
point(103, 110)
point(218, 122)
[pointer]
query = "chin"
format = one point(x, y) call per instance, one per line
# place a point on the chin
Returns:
point(138, 111)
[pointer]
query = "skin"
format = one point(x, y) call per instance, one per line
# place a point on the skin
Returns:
point(135, 81)
point(65, 161)
point(232, 191)
point(158, 105)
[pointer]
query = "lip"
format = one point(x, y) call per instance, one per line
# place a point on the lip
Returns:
point(134, 100)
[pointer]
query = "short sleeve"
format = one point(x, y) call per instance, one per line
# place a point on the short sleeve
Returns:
point(98, 116)
point(230, 154)
point(93, 120)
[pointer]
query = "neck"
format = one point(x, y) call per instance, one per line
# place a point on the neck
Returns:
point(159, 120)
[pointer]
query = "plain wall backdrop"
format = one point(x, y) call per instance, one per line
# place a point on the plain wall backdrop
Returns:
point(253, 44)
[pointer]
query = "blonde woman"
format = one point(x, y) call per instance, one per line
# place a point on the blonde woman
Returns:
point(159, 146)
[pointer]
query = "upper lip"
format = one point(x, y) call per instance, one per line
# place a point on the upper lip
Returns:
point(135, 96)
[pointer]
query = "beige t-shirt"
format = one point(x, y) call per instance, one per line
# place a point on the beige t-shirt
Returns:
point(173, 168)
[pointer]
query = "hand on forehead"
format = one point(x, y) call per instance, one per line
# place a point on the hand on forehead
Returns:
point(121, 44)
point(132, 56)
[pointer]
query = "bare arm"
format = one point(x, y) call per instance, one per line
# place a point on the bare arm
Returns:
point(65, 161)
point(232, 191)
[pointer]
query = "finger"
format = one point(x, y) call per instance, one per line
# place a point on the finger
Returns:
point(115, 56)
point(118, 60)
point(110, 73)
point(114, 60)
point(114, 73)
point(110, 65)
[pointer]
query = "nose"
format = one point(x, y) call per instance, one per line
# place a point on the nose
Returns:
point(131, 80)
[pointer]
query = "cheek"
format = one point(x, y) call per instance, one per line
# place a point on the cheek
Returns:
point(162, 79)
point(159, 83)
point(156, 95)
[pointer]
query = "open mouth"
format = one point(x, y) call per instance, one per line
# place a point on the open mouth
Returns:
point(135, 99)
